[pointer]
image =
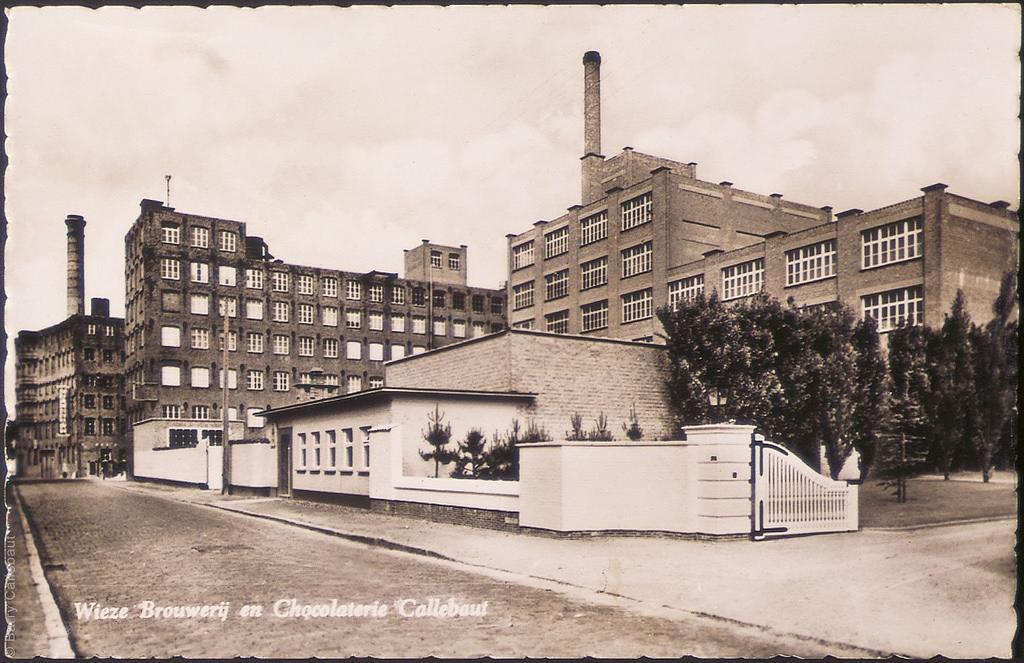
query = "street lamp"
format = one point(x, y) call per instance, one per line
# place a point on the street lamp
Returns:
point(718, 398)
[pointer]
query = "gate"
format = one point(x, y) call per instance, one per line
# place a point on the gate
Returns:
point(790, 498)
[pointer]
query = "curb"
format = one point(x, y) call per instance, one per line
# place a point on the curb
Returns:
point(945, 523)
point(58, 641)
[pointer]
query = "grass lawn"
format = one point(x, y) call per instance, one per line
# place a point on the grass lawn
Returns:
point(930, 501)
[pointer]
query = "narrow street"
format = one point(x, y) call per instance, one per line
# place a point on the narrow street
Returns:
point(120, 548)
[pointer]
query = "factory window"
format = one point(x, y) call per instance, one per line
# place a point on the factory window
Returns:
point(637, 305)
point(366, 446)
point(892, 308)
point(227, 275)
point(497, 306)
point(91, 330)
point(523, 324)
point(419, 324)
point(200, 377)
point(478, 303)
point(232, 341)
point(376, 382)
point(397, 322)
point(330, 378)
point(230, 306)
point(459, 301)
point(279, 281)
point(332, 449)
point(170, 375)
point(522, 255)
point(743, 279)
point(375, 351)
point(108, 426)
point(419, 297)
point(200, 338)
point(108, 331)
point(637, 259)
point(439, 298)
point(375, 320)
point(347, 448)
point(232, 382)
point(353, 384)
point(90, 426)
point(556, 285)
point(440, 327)
point(685, 290)
point(331, 348)
point(397, 350)
point(170, 337)
point(304, 284)
point(170, 411)
point(170, 233)
point(376, 293)
point(435, 259)
point(254, 380)
point(201, 412)
point(479, 329)
point(254, 342)
point(281, 344)
point(353, 289)
point(89, 401)
point(558, 323)
point(329, 284)
point(199, 304)
point(108, 402)
point(330, 316)
point(281, 311)
point(353, 319)
point(108, 355)
point(454, 262)
point(305, 314)
point(522, 295)
point(594, 316)
point(893, 242)
point(811, 263)
point(459, 328)
point(418, 349)
point(594, 273)
point(228, 241)
point(254, 309)
point(397, 294)
point(170, 269)
point(353, 350)
point(254, 279)
point(636, 211)
point(200, 272)
point(593, 228)
point(556, 242)
point(307, 346)
point(200, 237)
point(302, 452)
point(280, 381)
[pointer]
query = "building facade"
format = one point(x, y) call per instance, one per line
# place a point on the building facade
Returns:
point(69, 385)
point(285, 322)
point(649, 233)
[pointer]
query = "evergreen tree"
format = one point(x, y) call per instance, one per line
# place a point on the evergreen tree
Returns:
point(438, 434)
point(991, 399)
point(871, 393)
point(952, 402)
point(470, 455)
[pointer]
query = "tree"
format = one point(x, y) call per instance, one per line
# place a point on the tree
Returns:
point(634, 432)
point(501, 459)
point(438, 435)
point(470, 454)
point(952, 402)
point(870, 395)
point(899, 459)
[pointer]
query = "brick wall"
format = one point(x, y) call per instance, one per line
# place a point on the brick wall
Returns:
point(456, 515)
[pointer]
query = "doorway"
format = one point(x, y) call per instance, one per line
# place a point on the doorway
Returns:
point(284, 462)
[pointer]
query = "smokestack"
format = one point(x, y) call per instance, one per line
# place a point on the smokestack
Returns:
point(76, 264)
point(592, 158)
point(591, 103)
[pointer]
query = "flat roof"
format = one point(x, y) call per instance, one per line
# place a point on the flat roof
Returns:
point(394, 391)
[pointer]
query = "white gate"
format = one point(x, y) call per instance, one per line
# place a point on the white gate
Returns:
point(790, 498)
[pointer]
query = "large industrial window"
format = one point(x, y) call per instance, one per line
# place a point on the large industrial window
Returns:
point(893, 242)
point(637, 259)
point(685, 290)
point(522, 255)
point(593, 228)
point(637, 305)
point(743, 279)
point(893, 307)
point(522, 295)
point(556, 285)
point(594, 273)
point(636, 211)
point(594, 316)
point(556, 242)
point(558, 323)
point(811, 263)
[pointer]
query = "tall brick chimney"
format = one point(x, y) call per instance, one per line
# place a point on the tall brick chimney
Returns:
point(592, 157)
point(76, 264)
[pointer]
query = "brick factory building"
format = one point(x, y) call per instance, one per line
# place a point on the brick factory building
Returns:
point(69, 384)
point(289, 325)
point(648, 233)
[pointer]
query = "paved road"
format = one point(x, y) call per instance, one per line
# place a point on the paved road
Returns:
point(120, 548)
point(26, 635)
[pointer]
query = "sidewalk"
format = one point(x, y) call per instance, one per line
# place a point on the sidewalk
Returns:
point(919, 593)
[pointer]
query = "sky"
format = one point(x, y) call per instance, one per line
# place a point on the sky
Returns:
point(344, 135)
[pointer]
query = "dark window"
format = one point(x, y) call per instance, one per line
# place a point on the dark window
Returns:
point(419, 297)
point(459, 301)
point(497, 327)
point(108, 426)
point(89, 401)
point(478, 303)
point(90, 380)
point(182, 438)
point(170, 300)
point(496, 306)
point(108, 402)
point(439, 298)
point(90, 426)
point(214, 436)
point(90, 354)
point(108, 355)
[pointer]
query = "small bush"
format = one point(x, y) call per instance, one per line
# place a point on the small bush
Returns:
point(600, 432)
point(577, 434)
point(633, 431)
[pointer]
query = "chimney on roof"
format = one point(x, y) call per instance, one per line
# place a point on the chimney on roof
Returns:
point(76, 264)
point(592, 157)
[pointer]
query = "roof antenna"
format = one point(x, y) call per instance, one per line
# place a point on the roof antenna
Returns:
point(168, 178)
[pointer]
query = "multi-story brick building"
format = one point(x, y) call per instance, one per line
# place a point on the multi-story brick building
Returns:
point(286, 322)
point(69, 387)
point(649, 233)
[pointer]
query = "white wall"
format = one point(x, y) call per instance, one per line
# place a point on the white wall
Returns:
point(154, 460)
point(253, 465)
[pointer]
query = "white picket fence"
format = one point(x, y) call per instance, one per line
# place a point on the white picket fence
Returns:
point(791, 498)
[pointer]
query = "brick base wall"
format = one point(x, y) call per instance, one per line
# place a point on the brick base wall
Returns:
point(346, 499)
point(257, 491)
point(456, 515)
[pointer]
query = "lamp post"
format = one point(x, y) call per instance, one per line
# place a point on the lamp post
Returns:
point(718, 398)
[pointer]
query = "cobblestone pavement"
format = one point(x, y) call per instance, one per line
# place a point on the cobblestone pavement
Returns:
point(26, 634)
point(120, 547)
point(884, 591)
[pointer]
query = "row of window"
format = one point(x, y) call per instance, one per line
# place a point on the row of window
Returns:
point(636, 306)
point(255, 380)
point(105, 427)
point(199, 237)
point(318, 450)
point(89, 354)
point(89, 401)
point(437, 260)
point(634, 212)
point(92, 329)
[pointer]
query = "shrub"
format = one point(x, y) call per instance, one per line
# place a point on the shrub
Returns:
point(438, 435)
point(600, 433)
point(577, 434)
point(633, 431)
